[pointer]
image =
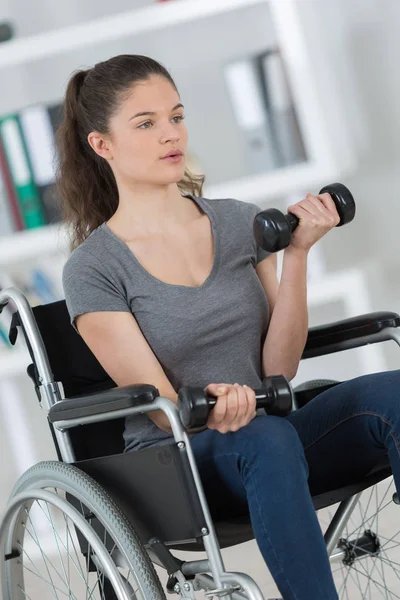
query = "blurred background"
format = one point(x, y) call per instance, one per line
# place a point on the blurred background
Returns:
point(281, 98)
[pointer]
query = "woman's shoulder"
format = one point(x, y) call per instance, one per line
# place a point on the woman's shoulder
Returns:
point(86, 254)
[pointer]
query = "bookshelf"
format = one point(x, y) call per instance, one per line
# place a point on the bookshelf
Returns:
point(321, 110)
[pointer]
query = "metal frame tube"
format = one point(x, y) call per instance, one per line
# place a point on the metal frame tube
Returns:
point(339, 521)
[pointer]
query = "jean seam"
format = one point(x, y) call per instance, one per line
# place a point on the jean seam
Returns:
point(359, 414)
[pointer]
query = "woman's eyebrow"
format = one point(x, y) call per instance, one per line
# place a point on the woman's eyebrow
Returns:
point(142, 114)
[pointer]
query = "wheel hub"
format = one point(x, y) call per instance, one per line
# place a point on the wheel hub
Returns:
point(367, 544)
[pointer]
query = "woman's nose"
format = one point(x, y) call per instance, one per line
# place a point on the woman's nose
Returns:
point(170, 133)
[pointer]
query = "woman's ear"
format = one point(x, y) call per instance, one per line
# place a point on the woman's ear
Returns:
point(100, 144)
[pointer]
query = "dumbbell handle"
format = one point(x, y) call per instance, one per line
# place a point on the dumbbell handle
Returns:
point(276, 397)
point(343, 200)
point(263, 400)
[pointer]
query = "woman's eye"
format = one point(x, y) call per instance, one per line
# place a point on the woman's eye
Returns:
point(179, 117)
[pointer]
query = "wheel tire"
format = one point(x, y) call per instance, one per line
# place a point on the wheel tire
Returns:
point(70, 479)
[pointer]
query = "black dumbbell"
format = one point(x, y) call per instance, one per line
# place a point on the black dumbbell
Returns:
point(273, 230)
point(194, 405)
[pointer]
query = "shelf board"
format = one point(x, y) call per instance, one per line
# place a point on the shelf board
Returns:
point(31, 244)
point(264, 187)
point(140, 20)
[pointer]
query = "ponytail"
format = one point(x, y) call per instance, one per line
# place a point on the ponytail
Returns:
point(85, 182)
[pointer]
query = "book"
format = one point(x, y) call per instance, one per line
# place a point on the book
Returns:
point(37, 127)
point(6, 217)
point(10, 197)
point(278, 97)
point(21, 172)
point(243, 82)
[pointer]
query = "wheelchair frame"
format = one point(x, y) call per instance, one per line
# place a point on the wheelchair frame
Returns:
point(221, 582)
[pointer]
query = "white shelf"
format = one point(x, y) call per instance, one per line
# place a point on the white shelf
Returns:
point(110, 28)
point(31, 244)
point(264, 187)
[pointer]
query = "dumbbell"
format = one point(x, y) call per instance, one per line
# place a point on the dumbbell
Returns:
point(273, 230)
point(275, 397)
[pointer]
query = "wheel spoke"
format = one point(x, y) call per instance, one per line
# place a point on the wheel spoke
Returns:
point(35, 539)
point(371, 572)
point(55, 537)
point(47, 582)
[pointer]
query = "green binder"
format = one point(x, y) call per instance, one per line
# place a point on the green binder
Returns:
point(21, 172)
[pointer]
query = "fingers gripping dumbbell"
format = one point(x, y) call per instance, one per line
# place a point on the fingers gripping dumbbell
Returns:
point(273, 229)
point(194, 405)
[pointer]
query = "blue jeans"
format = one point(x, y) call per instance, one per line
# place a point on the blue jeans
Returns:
point(270, 468)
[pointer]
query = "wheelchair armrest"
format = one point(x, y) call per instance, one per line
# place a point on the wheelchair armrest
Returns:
point(348, 333)
point(117, 398)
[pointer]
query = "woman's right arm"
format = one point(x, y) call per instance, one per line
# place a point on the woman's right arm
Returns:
point(117, 342)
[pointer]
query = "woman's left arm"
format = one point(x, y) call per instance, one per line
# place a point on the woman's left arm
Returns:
point(288, 327)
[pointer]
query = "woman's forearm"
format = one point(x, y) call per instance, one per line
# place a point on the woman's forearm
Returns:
point(288, 328)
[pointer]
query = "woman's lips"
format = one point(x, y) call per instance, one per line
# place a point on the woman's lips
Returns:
point(175, 158)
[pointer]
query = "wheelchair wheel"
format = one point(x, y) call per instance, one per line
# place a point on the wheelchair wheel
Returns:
point(63, 536)
point(366, 561)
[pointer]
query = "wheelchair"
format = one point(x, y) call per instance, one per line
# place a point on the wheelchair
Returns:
point(97, 522)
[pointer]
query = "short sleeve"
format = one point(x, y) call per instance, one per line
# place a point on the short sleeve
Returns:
point(88, 287)
point(249, 210)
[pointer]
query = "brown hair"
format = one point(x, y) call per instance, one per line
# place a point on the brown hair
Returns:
point(86, 184)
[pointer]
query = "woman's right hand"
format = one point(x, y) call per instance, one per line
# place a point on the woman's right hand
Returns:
point(235, 406)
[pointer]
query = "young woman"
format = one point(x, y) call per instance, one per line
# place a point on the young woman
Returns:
point(169, 288)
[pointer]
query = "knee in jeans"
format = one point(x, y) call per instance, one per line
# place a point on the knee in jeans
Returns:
point(383, 388)
point(273, 436)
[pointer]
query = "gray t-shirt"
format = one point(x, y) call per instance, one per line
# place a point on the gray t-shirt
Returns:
point(200, 335)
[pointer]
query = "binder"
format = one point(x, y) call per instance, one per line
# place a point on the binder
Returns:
point(281, 109)
point(6, 217)
point(245, 90)
point(55, 113)
point(18, 162)
point(9, 192)
point(38, 132)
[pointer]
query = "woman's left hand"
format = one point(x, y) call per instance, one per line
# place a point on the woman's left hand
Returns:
point(317, 215)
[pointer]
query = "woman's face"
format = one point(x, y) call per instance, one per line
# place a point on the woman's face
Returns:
point(138, 143)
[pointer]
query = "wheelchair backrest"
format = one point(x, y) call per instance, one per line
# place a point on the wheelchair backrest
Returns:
point(73, 363)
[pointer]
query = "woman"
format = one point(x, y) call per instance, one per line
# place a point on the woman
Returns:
point(169, 288)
